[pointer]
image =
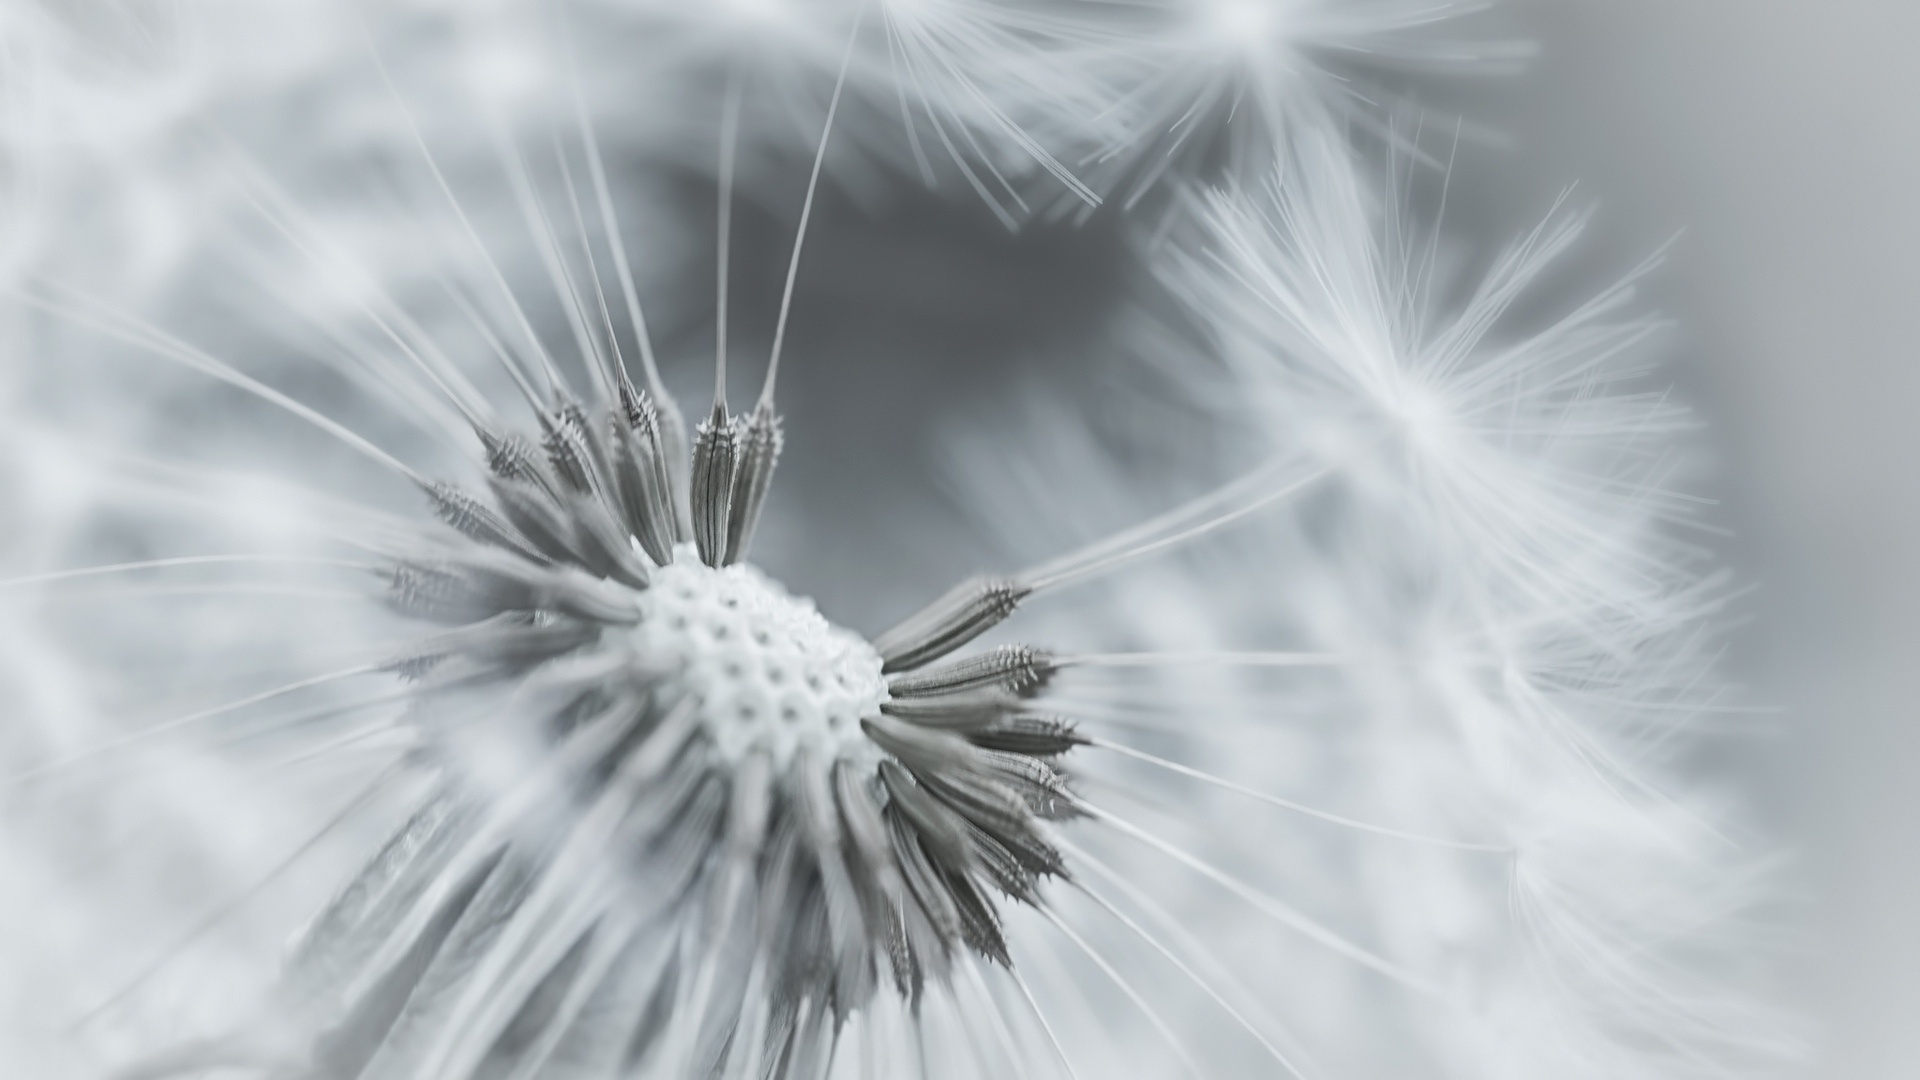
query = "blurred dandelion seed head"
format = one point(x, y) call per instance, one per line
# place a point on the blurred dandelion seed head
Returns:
point(1241, 24)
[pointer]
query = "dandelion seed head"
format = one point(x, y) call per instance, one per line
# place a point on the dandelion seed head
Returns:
point(646, 812)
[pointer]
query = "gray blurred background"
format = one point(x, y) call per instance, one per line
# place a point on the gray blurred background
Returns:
point(1777, 139)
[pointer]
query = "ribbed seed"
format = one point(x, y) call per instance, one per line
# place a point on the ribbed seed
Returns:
point(604, 544)
point(1021, 669)
point(716, 451)
point(643, 474)
point(674, 455)
point(1034, 736)
point(533, 511)
point(968, 710)
point(567, 441)
point(966, 611)
point(760, 445)
point(475, 519)
point(512, 457)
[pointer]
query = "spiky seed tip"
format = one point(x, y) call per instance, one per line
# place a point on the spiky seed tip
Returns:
point(568, 440)
point(474, 519)
point(716, 453)
point(1018, 669)
point(512, 457)
point(966, 611)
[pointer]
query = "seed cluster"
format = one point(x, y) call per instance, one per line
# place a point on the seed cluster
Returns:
point(716, 804)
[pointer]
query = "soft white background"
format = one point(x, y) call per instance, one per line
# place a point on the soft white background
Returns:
point(1781, 140)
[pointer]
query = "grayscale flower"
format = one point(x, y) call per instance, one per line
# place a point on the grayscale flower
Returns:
point(379, 598)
